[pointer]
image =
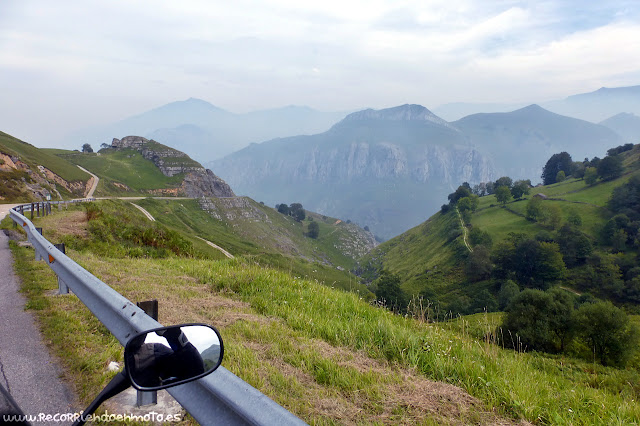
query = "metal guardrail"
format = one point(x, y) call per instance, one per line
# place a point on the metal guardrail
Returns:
point(220, 398)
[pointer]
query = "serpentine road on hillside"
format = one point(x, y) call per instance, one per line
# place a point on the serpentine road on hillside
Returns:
point(27, 370)
point(96, 179)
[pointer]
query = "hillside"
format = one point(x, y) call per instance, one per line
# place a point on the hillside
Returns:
point(326, 355)
point(626, 125)
point(430, 259)
point(383, 169)
point(254, 231)
point(388, 169)
point(138, 166)
point(31, 174)
point(520, 142)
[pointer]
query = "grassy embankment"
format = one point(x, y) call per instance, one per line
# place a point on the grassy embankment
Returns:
point(431, 255)
point(324, 354)
point(12, 181)
point(122, 172)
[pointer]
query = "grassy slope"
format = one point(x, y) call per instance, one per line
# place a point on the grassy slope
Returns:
point(35, 156)
point(327, 355)
point(278, 241)
point(426, 245)
point(126, 167)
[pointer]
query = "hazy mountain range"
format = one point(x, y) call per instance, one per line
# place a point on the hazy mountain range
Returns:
point(392, 168)
point(205, 131)
point(593, 106)
point(388, 169)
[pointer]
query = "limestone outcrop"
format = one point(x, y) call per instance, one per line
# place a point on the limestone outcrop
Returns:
point(198, 181)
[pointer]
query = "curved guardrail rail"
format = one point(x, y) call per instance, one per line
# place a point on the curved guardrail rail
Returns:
point(219, 398)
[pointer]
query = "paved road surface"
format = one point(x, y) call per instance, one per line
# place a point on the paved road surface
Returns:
point(96, 179)
point(146, 213)
point(27, 370)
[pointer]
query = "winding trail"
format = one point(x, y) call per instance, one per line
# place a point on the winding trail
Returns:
point(96, 179)
point(27, 370)
point(226, 253)
point(464, 231)
point(146, 213)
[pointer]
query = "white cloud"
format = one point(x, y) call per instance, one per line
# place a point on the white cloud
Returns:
point(109, 60)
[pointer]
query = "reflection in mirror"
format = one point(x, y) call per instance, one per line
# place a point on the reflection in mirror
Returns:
point(172, 355)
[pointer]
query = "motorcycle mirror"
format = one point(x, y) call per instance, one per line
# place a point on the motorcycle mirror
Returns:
point(170, 356)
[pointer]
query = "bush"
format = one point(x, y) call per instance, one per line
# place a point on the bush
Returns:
point(608, 332)
point(313, 230)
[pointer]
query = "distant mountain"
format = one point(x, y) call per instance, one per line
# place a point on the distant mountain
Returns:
point(207, 132)
point(386, 169)
point(457, 110)
point(626, 125)
point(599, 105)
point(520, 142)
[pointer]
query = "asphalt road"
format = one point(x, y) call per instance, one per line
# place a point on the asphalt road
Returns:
point(27, 371)
point(96, 179)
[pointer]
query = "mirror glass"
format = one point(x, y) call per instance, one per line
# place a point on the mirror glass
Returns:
point(170, 356)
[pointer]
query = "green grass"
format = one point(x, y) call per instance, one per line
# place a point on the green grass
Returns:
point(304, 344)
point(35, 156)
point(268, 237)
point(125, 167)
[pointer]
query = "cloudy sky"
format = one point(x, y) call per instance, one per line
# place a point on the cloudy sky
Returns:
point(66, 65)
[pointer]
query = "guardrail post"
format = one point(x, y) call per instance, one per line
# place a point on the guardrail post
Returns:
point(39, 256)
point(150, 307)
point(63, 288)
point(31, 211)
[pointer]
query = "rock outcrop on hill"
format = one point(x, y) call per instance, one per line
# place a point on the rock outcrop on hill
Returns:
point(198, 181)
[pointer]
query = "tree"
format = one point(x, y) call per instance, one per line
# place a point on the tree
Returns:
point(468, 203)
point(503, 194)
point(520, 188)
point(479, 265)
point(574, 218)
point(508, 291)
point(542, 320)
point(608, 332)
point(282, 208)
point(574, 244)
point(590, 175)
point(479, 237)
point(535, 210)
point(504, 181)
point(313, 230)
point(527, 321)
point(297, 211)
point(87, 148)
point(461, 192)
point(610, 167)
point(561, 177)
point(388, 291)
point(557, 162)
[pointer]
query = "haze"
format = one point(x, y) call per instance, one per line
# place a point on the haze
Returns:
point(67, 65)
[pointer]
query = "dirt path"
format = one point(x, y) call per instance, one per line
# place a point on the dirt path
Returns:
point(464, 231)
point(146, 213)
point(226, 253)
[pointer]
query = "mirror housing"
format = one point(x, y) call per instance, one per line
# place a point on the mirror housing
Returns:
point(170, 356)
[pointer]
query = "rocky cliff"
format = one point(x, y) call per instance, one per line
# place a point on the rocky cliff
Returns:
point(386, 169)
point(197, 182)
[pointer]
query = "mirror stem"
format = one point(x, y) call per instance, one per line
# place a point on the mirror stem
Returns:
point(119, 383)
